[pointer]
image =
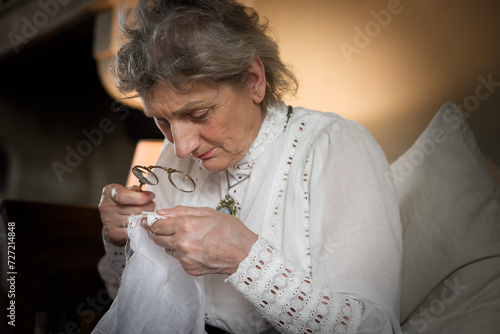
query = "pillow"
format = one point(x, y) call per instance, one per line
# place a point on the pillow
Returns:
point(450, 214)
point(467, 301)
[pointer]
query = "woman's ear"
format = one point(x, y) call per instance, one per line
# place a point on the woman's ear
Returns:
point(257, 80)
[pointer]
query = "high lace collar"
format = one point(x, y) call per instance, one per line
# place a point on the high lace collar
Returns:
point(272, 127)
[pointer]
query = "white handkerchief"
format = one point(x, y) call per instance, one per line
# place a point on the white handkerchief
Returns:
point(156, 295)
point(151, 217)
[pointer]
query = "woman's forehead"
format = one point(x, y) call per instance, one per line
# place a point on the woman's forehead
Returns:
point(163, 99)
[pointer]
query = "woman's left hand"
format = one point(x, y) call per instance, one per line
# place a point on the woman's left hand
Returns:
point(204, 240)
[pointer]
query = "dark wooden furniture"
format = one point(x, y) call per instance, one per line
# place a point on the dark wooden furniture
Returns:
point(57, 286)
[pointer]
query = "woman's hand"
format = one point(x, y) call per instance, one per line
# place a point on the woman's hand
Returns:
point(117, 204)
point(204, 240)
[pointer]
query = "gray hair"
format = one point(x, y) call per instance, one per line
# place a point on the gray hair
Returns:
point(181, 42)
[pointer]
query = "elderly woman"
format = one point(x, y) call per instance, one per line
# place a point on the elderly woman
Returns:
point(308, 239)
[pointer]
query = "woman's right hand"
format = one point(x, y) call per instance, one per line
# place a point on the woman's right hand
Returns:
point(117, 204)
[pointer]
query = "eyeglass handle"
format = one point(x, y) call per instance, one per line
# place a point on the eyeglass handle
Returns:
point(139, 189)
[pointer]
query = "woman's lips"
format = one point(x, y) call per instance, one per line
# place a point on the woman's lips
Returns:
point(205, 155)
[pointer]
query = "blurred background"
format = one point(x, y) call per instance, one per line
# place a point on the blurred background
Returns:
point(389, 64)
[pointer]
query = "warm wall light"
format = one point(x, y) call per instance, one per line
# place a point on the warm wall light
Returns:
point(146, 153)
point(106, 45)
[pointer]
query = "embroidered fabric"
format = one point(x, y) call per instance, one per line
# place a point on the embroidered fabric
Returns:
point(285, 296)
point(151, 217)
point(151, 275)
point(115, 255)
point(275, 211)
point(272, 127)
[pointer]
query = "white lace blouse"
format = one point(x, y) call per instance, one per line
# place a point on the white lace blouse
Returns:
point(320, 197)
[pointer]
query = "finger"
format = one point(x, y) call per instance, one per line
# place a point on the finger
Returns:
point(180, 211)
point(163, 227)
point(163, 241)
point(147, 223)
point(124, 196)
point(127, 210)
point(114, 204)
point(117, 215)
point(117, 204)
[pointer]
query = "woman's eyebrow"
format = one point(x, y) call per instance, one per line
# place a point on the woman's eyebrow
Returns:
point(183, 109)
point(186, 107)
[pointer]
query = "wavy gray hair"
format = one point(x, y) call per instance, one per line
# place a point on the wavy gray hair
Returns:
point(180, 42)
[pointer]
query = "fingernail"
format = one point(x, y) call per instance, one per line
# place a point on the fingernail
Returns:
point(162, 211)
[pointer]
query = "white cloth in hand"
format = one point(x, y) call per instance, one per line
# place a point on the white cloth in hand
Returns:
point(156, 295)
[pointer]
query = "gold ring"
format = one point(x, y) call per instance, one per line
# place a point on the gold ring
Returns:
point(171, 252)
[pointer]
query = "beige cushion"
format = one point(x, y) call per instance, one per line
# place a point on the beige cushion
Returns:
point(466, 302)
point(450, 212)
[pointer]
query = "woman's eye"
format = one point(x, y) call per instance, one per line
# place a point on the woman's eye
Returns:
point(199, 114)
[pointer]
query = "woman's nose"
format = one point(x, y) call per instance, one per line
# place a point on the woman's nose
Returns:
point(185, 139)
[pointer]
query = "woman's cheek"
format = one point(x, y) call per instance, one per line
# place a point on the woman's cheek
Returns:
point(166, 130)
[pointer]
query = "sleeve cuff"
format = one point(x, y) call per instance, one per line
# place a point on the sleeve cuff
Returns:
point(115, 254)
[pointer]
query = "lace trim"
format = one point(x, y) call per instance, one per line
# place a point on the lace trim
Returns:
point(272, 127)
point(118, 255)
point(115, 254)
point(238, 192)
point(278, 188)
point(287, 298)
point(305, 214)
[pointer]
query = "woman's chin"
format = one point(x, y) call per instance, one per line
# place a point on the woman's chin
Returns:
point(212, 164)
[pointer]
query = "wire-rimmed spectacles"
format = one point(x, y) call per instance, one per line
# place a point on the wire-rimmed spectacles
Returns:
point(178, 179)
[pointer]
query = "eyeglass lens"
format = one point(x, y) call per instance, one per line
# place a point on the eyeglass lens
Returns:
point(145, 175)
point(178, 179)
point(181, 181)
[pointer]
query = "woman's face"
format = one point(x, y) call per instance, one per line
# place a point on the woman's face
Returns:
point(215, 126)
